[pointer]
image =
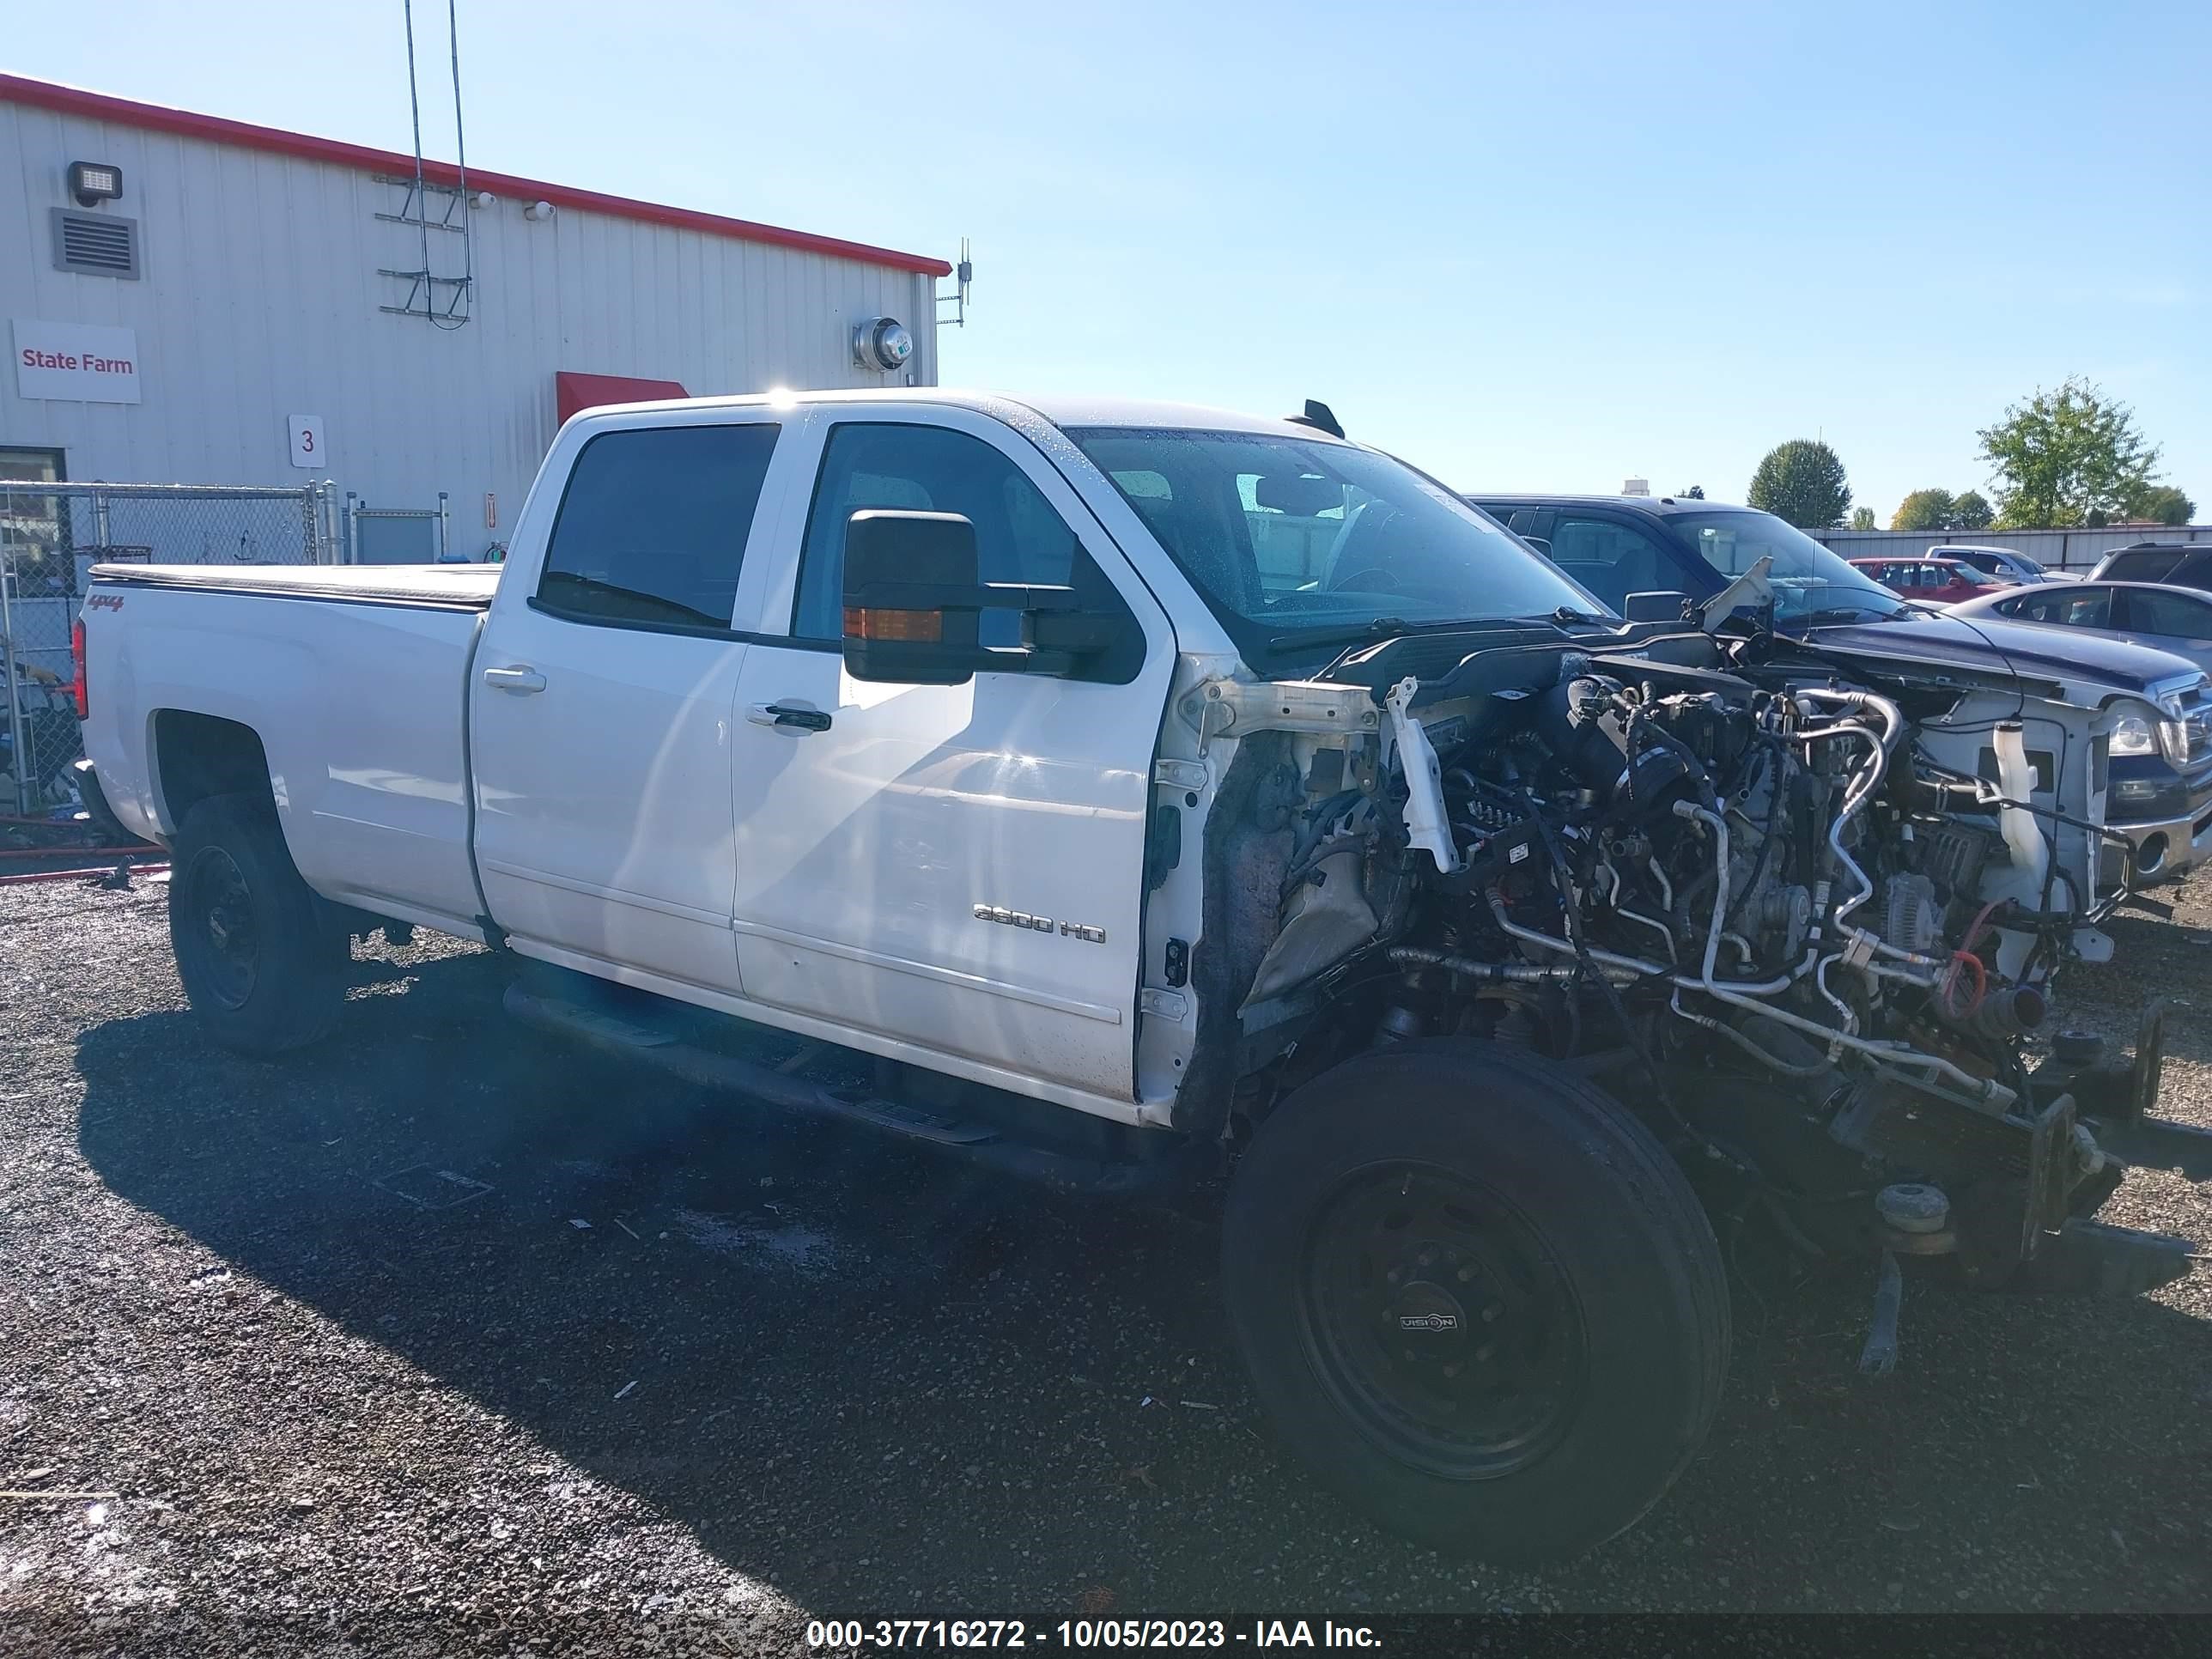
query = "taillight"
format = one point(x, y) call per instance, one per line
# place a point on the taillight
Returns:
point(77, 687)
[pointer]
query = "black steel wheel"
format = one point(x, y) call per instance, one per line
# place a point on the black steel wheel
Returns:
point(1477, 1298)
point(226, 943)
point(1439, 1322)
point(262, 958)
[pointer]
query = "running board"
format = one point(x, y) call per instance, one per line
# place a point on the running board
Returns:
point(614, 1035)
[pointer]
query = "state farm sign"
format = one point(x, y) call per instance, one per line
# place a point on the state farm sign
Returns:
point(78, 361)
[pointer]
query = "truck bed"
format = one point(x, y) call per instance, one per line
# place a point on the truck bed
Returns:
point(352, 680)
point(464, 586)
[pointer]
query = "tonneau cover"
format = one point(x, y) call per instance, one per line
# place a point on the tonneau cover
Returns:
point(457, 587)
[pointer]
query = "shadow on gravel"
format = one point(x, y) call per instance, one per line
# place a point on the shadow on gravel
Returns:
point(881, 1384)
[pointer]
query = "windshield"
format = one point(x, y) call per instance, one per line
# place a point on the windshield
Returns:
point(1812, 584)
point(1292, 542)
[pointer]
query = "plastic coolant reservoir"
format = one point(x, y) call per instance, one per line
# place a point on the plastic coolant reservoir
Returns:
point(2021, 879)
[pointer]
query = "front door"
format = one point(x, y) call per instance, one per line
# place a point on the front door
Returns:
point(600, 709)
point(958, 870)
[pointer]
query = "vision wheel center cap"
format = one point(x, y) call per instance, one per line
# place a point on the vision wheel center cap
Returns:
point(1429, 1316)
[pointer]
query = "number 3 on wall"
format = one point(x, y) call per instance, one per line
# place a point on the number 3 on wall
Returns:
point(306, 440)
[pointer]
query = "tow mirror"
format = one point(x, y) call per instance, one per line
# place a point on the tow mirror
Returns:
point(912, 604)
point(911, 598)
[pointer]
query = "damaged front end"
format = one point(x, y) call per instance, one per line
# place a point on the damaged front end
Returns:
point(1811, 931)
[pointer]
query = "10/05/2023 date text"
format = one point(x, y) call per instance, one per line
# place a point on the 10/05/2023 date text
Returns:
point(1082, 1633)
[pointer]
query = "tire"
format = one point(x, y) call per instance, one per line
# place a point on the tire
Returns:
point(262, 960)
point(1545, 1244)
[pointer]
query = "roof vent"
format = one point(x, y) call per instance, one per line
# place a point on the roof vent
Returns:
point(95, 244)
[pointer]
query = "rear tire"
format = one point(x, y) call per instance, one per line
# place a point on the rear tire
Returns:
point(262, 958)
point(1477, 1298)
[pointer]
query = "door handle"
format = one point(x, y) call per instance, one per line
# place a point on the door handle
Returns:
point(520, 677)
point(788, 717)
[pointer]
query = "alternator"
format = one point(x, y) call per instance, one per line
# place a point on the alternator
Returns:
point(1911, 919)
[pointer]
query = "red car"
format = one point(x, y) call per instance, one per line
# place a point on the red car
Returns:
point(1931, 581)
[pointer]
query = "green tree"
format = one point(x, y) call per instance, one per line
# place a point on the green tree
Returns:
point(1861, 518)
point(2161, 504)
point(1970, 511)
point(2063, 454)
point(1801, 481)
point(1924, 509)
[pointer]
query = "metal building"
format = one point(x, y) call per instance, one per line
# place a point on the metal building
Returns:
point(192, 299)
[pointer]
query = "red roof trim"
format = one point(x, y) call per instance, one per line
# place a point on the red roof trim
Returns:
point(215, 129)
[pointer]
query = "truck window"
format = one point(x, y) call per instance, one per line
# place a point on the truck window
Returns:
point(652, 526)
point(1019, 537)
point(1611, 560)
point(2148, 564)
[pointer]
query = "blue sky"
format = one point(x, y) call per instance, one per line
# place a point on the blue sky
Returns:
point(1536, 247)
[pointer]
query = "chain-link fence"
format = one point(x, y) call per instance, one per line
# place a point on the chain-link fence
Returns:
point(51, 534)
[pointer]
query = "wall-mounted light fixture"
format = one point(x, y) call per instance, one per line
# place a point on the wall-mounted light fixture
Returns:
point(538, 212)
point(94, 182)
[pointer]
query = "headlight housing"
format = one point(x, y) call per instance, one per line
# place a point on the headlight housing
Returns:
point(2140, 728)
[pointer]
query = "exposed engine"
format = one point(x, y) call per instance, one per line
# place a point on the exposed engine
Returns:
point(1746, 897)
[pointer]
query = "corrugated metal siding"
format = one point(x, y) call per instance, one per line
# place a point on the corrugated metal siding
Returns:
point(260, 296)
point(2054, 549)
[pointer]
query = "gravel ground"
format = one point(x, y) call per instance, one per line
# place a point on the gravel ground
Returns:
point(440, 1322)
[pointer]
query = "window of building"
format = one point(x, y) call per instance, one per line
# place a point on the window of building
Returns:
point(652, 526)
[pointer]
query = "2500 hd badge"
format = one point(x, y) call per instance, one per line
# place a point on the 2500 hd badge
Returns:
point(999, 914)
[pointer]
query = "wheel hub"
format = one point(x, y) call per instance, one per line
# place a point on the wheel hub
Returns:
point(1440, 1323)
point(231, 956)
point(1428, 1311)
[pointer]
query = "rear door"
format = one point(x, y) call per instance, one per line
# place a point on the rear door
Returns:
point(958, 870)
point(2170, 619)
point(600, 710)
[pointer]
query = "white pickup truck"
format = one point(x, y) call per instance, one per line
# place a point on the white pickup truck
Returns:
point(1149, 792)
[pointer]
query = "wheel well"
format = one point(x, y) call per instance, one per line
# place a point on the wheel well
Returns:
point(197, 755)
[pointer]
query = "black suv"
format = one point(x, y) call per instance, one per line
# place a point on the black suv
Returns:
point(2179, 563)
point(1618, 545)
